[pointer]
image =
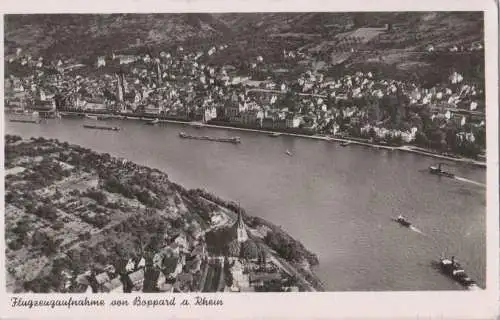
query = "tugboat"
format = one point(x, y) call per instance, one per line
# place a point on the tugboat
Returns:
point(403, 221)
point(454, 270)
point(440, 172)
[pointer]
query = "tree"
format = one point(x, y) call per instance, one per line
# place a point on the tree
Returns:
point(249, 250)
point(234, 248)
point(46, 211)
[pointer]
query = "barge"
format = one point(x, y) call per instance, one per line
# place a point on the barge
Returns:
point(234, 140)
point(37, 121)
point(86, 126)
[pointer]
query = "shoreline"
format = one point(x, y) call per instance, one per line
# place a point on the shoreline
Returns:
point(306, 279)
point(404, 148)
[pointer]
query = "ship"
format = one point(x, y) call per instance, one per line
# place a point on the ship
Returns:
point(71, 115)
point(345, 144)
point(275, 134)
point(440, 172)
point(35, 121)
point(101, 127)
point(453, 269)
point(234, 140)
point(402, 221)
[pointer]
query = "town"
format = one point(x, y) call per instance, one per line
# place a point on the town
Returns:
point(292, 91)
point(78, 221)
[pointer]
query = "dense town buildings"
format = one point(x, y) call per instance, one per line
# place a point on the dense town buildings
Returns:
point(188, 86)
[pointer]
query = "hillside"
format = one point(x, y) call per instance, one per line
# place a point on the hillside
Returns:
point(70, 210)
point(359, 40)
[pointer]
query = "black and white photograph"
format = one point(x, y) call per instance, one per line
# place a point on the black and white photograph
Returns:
point(245, 152)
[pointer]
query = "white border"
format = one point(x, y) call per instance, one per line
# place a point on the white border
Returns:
point(383, 305)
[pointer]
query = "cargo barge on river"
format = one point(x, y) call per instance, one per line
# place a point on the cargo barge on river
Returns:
point(86, 126)
point(234, 140)
point(35, 121)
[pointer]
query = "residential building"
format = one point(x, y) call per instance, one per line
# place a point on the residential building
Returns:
point(292, 121)
point(101, 61)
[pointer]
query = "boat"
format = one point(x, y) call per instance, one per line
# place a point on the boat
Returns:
point(440, 172)
point(196, 124)
point(153, 122)
point(36, 121)
point(275, 134)
point(91, 117)
point(71, 115)
point(105, 117)
point(288, 153)
point(345, 144)
point(235, 140)
point(403, 221)
point(101, 127)
point(453, 269)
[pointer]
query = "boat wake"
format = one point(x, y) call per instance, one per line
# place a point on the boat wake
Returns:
point(414, 229)
point(470, 181)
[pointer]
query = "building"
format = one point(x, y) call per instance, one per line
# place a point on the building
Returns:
point(101, 62)
point(44, 105)
point(241, 230)
point(95, 105)
point(280, 124)
point(210, 113)
point(292, 121)
point(260, 278)
point(119, 87)
point(241, 281)
point(152, 109)
point(267, 123)
point(250, 117)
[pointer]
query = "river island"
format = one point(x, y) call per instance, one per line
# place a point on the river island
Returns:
point(79, 221)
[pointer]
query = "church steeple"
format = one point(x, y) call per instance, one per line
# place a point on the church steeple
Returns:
point(241, 228)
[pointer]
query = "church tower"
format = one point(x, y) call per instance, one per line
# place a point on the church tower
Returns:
point(241, 230)
point(119, 87)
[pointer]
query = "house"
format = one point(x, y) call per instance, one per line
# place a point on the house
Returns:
point(184, 282)
point(240, 279)
point(95, 104)
point(113, 285)
point(101, 61)
point(181, 241)
point(210, 113)
point(126, 59)
point(292, 121)
point(47, 105)
point(251, 117)
point(280, 124)
point(259, 278)
point(137, 277)
point(267, 123)
point(152, 109)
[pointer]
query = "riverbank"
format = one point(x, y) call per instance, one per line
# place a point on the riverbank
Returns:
point(126, 203)
point(354, 141)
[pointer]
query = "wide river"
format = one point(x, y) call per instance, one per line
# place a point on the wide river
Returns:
point(338, 201)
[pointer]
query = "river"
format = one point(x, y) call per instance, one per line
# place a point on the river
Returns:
point(338, 201)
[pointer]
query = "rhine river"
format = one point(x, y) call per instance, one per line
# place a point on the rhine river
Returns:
point(338, 201)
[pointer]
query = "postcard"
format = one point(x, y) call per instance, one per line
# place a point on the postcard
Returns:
point(250, 160)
